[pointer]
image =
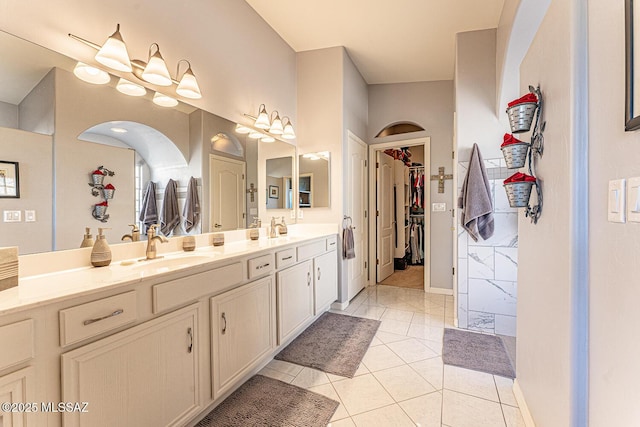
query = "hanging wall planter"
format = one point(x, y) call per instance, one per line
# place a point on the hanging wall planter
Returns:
point(514, 152)
point(99, 210)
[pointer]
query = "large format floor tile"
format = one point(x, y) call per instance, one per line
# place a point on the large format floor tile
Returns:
point(403, 383)
point(462, 410)
point(362, 394)
point(384, 417)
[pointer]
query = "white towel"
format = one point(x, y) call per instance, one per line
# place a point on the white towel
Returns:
point(475, 199)
point(170, 212)
point(191, 211)
point(149, 211)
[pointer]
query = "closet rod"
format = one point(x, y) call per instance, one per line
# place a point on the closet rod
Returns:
point(416, 167)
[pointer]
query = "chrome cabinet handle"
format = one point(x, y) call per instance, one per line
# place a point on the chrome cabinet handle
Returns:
point(224, 328)
point(318, 273)
point(308, 278)
point(114, 314)
point(190, 333)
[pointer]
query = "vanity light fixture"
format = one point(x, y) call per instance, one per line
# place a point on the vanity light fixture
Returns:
point(288, 132)
point(156, 70)
point(276, 125)
point(267, 139)
point(164, 100)
point(243, 130)
point(91, 74)
point(118, 130)
point(113, 53)
point(188, 86)
point(130, 88)
point(254, 134)
point(262, 121)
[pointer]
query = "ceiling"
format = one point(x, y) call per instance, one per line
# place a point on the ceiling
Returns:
point(390, 41)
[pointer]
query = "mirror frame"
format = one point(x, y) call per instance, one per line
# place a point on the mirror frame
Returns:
point(632, 117)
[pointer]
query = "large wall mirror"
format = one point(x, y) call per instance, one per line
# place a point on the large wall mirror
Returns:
point(59, 129)
point(632, 38)
point(313, 180)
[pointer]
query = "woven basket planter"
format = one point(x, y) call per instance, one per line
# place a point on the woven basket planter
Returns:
point(515, 155)
point(521, 116)
point(518, 193)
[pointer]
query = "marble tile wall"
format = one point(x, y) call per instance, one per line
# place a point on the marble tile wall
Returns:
point(488, 269)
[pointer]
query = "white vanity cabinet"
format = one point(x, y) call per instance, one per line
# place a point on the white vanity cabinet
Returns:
point(243, 331)
point(295, 299)
point(145, 376)
point(325, 271)
point(17, 388)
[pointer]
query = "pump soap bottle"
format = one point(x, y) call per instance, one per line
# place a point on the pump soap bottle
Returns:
point(87, 242)
point(101, 253)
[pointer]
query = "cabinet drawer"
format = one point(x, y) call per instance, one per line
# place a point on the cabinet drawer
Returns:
point(93, 318)
point(20, 335)
point(332, 243)
point(178, 292)
point(312, 249)
point(285, 258)
point(261, 266)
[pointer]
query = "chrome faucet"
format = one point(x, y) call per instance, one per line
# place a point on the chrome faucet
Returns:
point(151, 241)
point(256, 223)
point(279, 227)
point(135, 234)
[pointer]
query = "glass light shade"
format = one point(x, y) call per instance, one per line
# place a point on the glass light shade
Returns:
point(288, 132)
point(256, 135)
point(242, 129)
point(276, 125)
point(130, 88)
point(262, 122)
point(91, 74)
point(164, 100)
point(267, 138)
point(156, 71)
point(188, 86)
point(113, 53)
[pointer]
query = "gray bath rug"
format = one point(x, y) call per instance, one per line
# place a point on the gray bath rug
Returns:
point(266, 402)
point(334, 343)
point(479, 352)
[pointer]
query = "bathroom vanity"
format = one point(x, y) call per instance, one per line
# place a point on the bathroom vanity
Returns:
point(159, 342)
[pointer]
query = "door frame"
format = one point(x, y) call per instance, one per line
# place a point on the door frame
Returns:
point(213, 157)
point(373, 231)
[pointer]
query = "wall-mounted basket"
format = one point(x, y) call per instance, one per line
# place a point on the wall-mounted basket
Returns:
point(521, 116)
point(519, 193)
point(99, 210)
point(515, 155)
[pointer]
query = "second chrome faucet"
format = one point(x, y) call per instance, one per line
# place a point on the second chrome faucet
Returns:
point(151, 242)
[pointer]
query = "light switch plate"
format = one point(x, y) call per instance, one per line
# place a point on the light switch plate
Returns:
point(12, 216)
point(633, 199)
point(292, 214)
point(616, 201)
point(300, 214)
point(29, 216)
point(439, 207)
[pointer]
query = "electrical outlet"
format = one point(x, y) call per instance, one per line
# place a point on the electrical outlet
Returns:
point(29, 216)
point(293, 214)
point(300, 214)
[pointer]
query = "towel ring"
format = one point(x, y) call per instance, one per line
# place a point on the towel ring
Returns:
point(349, 223)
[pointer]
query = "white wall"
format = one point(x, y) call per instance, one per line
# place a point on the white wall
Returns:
point(429, 104)
point(33, 152)
point(613, 259)
point(545, 323)
point(240, 61)
point(475, 89)
point(8, 115)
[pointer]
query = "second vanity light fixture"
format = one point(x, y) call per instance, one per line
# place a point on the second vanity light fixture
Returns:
point(274, 126)
point(113, 54)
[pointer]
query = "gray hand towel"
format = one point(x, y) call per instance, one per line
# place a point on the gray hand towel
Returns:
point(191, 211)
point(170, 215)
point(149, 210)
point(348, 245)
point(475, 199)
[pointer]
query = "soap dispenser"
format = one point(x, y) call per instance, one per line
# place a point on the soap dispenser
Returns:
point(87, 242)
point(101, 253)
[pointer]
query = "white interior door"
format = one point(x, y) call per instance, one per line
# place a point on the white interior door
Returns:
point(356, 209)
point(385, 211)
point(227, 194)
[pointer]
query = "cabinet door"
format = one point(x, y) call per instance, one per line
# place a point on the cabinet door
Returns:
point(144, 376)
point(295, 299)
point(17, 387)
point(325, 270)
point(242, 331)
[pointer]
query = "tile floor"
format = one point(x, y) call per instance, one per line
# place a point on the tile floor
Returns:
point(402, 380)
